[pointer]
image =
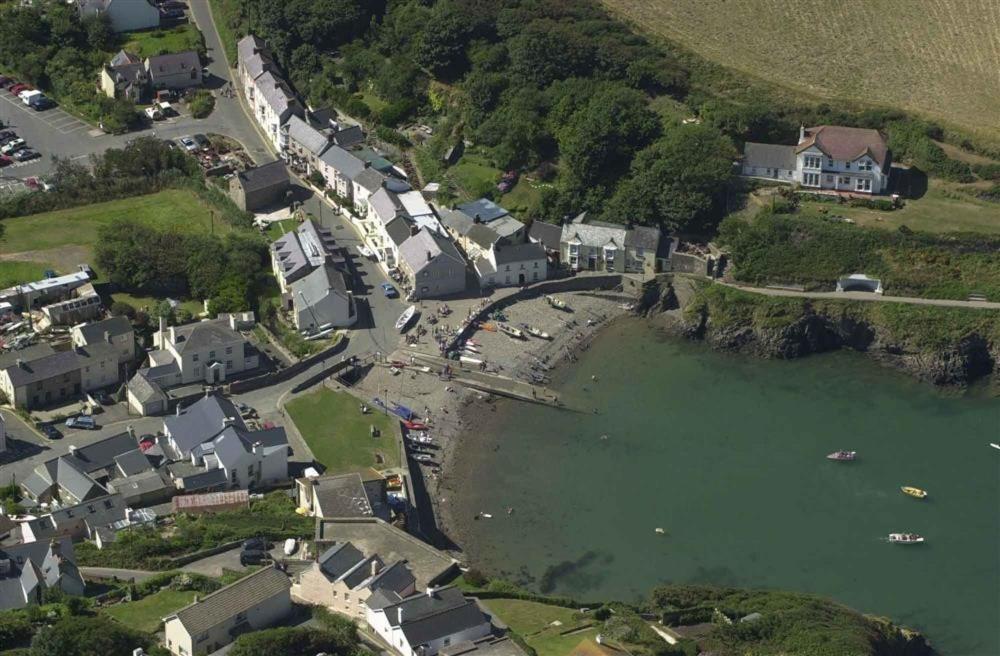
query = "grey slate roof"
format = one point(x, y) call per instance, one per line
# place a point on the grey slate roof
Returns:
point(265, 176)
point(257, 64)
point(76, 482)
point(396, 577)
point(301, 250)
point(101, 454)
point(201, 421)
point(342, 161)
point(425, 247)
point(506, 226)
point(427, 617)
point(507, 254)
point(457, 222)
point(486, 647)
point(594, 234)
point(173, 64)
point(386, 205)
point(123, 58)
point(349, 136)
point(343, 495)
point(34, 562)
point(482, 235)
point(398, 230)
point(43, 368)
point(484, 208)
point(276, 93)
point(248, 45)
point(213, 478)
point(548, 234)
point(34, 352)
point(339, 559)
point(771, 156)
point(99, 511)
point(306, 136)
point(144, 389)
point(239, 597)
point(203, 334)
point(646, 237)
point(132, 462)
point(114, 327)
point(370, 179)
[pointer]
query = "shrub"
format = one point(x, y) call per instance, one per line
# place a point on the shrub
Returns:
point(15, 629)
point(122, 309)
point(289, 641)
point(475, 578)
point(202, 103)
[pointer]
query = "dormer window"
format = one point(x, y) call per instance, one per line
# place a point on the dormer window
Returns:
point(830, 163)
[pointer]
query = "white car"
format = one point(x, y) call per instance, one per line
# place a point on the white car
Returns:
point(189, 144)
point(12, 146)
point(154, 113)
point(290, 546)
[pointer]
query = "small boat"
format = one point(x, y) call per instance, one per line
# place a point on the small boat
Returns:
point(843, 456)
point(469, 360)
point(995, 445)
point(511, 331)
point(414, 425)
point(914, 492)
point(421, 438)
point(537, 332)
point(905, 538)
point(556, 303)
point(421, 457)
point(395, 371)
point(402, 411)
point(659, 530)
point(405, 318)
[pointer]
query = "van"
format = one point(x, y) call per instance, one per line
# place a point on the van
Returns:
point(253, 557)
point(153, 113)
point(28, 96)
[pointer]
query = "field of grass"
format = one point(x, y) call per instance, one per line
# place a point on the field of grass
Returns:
point(524, 198)
point(160, 42)
point(934, 57)
point(278, 228)
point(937, 211)
point(473, 175)
point(149, 302)
point(533, 621)
point(63, 239)
point(374, 102)
point(145, 615)
point(339, 435)
point(14, 272)
point(225, 15)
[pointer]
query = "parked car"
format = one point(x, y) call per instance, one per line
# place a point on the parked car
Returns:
point(253, 557)
point(43, 103)
point(12, 145)
point(154, 113)
point(85, 422)
point(6, 81)
point(18, 88)
point(188, 144)
point(7, 133)
point(6, 140)
point(50, 431)
point(258, 543)
point(202, 141)
point(389, 291)
point(26, 154)
point(5, 161)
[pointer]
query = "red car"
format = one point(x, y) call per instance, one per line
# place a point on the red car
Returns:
point(4, 160)
point(18, 88)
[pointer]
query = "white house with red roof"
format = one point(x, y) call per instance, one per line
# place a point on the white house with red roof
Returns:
point(827, 157)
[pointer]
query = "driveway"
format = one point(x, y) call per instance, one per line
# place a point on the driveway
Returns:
point(214, 565)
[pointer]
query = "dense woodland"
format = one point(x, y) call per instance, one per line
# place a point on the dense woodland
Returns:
point(552, 82)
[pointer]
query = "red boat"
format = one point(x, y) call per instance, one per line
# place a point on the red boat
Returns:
point(844, 456)
point(414, 425)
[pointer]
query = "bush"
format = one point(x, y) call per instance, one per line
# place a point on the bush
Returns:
point(122, 309)
point(475, 578)
point(15, 629)
point(316, 179)
point(881, 204)
point(202, 103)
point(390, 136)
point(290, 641)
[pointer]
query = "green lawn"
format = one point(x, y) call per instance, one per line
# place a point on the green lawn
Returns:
point(140, 302)
point(474, 175)
point(339, 435)
point(226, 16)
point(78, 226)
point(374, 102)
point(278, 228)
point(524, 198)
point(937, 211)
point(145, 614)
point(14, 272)
point(159, 42)
point(533, 621)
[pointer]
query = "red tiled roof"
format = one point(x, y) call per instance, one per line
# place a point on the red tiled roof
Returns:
point(843, 143)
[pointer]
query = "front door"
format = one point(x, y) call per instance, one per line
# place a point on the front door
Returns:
point(592, 262)
point(520, 279)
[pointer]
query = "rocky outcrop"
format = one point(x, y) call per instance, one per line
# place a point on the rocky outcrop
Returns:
point(956, 364)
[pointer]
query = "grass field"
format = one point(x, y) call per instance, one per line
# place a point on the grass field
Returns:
point(339, 435)
point(533, 621)
point(936, 211)
point(144, 615)
point(14, 272)
point(935, 57)
point(225, 15)
point(158, 42)
point(63, 239)
point(278, 228)
point(473, 175)
point(524, 198)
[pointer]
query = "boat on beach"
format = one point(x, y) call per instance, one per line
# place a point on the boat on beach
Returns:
point(914, 492)
point(539, 333)
point(414, 425)
point(843, 456)
point(468, 360)
point(556, 303)
point(405, 318)
point(511, 331)
point(905, 538)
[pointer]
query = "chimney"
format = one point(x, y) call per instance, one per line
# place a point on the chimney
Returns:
point(21, 364)
point(802, 133)
point(72, 449)
point(228, 421)
point(107, 336)
point(430, 591)
point(173, 335)
point(163, 330)
point(375, 566)
point(138, 651)
point(399, 615)
point(256, 448)
point(178, 409)
point(232, 321)
point(414, 230)
point(429, 256)
point(56, 548)
point(477, 219)
point(131, 430)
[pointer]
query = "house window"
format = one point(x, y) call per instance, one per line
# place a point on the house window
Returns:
point(847, 165)
point(232, 477)
point(812, 162)
point(211, 355)
point(229, 350)
point(863, 184)
point(347, 596)
point(507, 268)
point(536, 265)
point(194, 358)
point(830, 163)
point(865, 165)
point(829, 179)
point(845, 180)
point(229, 364)
point(334, 594)
point(810, 179)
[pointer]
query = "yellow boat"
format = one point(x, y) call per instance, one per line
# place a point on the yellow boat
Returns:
point(914, 492)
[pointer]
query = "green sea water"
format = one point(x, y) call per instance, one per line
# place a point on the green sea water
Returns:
point(727, 455)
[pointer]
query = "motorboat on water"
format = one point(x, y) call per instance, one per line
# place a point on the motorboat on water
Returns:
point(914, 492)
point(404, 319)
point(843, 456)
point(905, 538)
point(995, 445)
point(511, 331)
point(539, 333)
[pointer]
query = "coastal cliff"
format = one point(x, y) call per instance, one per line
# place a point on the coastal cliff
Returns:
point(944, 346)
